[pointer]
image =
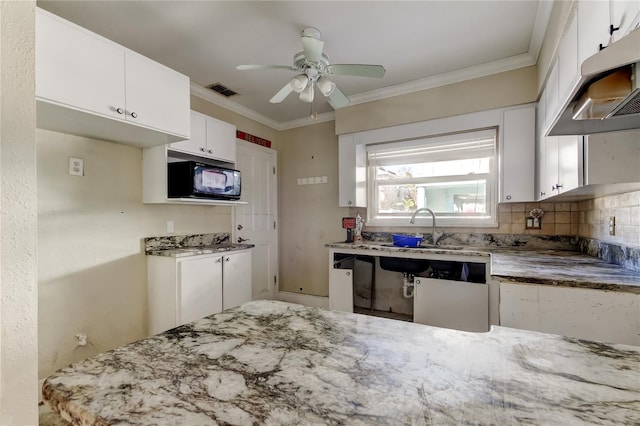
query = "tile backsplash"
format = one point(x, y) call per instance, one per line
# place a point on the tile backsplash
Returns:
point(588, 219)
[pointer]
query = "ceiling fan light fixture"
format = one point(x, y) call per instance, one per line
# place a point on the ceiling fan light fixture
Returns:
point(299, 82)
point(326, 86)
point(307, 94)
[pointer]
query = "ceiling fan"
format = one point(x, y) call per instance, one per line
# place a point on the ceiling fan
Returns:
point(314, 70)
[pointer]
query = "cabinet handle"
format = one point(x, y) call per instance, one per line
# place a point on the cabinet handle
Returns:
point(219, 260)
point(613, 29)
point(508, 197)
point(134, 115)
point(239, 227)
point(202, 149)
point(348, 273)
point(601, 47)
point(119, 110)
point(226, 259)
point(210, 151)
point(542, 194)
point(349, 203)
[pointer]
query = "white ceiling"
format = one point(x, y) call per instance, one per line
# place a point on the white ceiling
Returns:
point(421, 44)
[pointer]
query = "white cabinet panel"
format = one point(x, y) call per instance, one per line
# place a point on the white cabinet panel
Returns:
point(519, 306)
point(156, 96)
point(352, 173)
point(236, 281)
point(581, 313)
point(518, 152)
point(451, 304)
point(200, 288)
point(593, 27)
point(210, 138)
point(570, 163)
point(568, 70)
point(624, 14)
point(340, 289)
point(77, 69)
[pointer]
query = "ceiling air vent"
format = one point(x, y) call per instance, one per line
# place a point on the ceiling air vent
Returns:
point(219, 88)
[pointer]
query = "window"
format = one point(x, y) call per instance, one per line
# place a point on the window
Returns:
point(453, 175)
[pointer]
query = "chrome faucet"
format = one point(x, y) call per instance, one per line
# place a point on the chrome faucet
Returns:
point(435, 236)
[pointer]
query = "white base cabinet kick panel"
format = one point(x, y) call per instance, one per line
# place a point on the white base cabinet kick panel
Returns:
point(181, 290)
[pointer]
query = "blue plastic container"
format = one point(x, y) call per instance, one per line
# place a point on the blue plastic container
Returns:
point(400, 240)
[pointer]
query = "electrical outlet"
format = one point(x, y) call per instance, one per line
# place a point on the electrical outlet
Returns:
point(612, 225)
point(76, 166)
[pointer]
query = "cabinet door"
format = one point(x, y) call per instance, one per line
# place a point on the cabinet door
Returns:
point(623, 15)
point(451, 304)
point(236, 279)
point(551, 96)
point(156, 96)
point(541, 172)
point(569, 162)
point(199, 288)
point(593, 27)
point(518, 153)
point(340, 289)
point(78, 69)
point(221, 140)
point(197, 144)
point(569, 70)
point(352, 173)
point(519, 306)
point(551, 165)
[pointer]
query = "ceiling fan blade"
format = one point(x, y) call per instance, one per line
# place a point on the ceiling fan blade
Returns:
point(282, 94)
point(337, 99)
point(312, 48)
point(359, 70)
point(262, 67)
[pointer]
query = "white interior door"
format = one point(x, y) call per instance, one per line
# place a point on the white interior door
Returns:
point(255, 222)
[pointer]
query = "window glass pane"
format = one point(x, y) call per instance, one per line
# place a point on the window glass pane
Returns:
point(452, 198)
point(434, 169)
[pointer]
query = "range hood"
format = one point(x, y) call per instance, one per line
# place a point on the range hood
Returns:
point(607, 98)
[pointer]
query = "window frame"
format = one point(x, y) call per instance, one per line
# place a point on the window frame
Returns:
point(490, 219)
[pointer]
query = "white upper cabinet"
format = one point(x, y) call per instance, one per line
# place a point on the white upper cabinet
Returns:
point(352, 172)
point(593, 27)
point(210, 138)
point(156, 95)
point(518, 154)
point(90, 86)
point(568, 67)
point(78, 70)
point(624, 15)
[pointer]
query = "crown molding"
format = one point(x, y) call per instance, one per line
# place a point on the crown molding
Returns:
point(210, 96)
point(543, 14)
point(470, 73)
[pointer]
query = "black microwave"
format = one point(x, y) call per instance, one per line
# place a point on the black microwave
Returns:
point(190, 179)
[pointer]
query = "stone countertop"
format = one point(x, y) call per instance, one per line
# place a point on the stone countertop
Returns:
point(199, 250)
point(269, 362)
point(562, 268)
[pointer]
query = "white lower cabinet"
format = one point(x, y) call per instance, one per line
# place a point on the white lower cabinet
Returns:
point(181, 290)
point(340, 289)
point(575, 312)
point(451, 304)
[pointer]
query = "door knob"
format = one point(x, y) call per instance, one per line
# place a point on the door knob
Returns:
point(240, 239)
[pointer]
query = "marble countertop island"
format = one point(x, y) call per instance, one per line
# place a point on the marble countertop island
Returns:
point(269, 362)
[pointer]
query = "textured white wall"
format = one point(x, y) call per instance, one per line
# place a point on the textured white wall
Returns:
point(18, 291)
point(92, 269)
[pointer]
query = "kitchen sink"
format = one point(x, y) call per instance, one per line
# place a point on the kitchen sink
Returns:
point(399, 264)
